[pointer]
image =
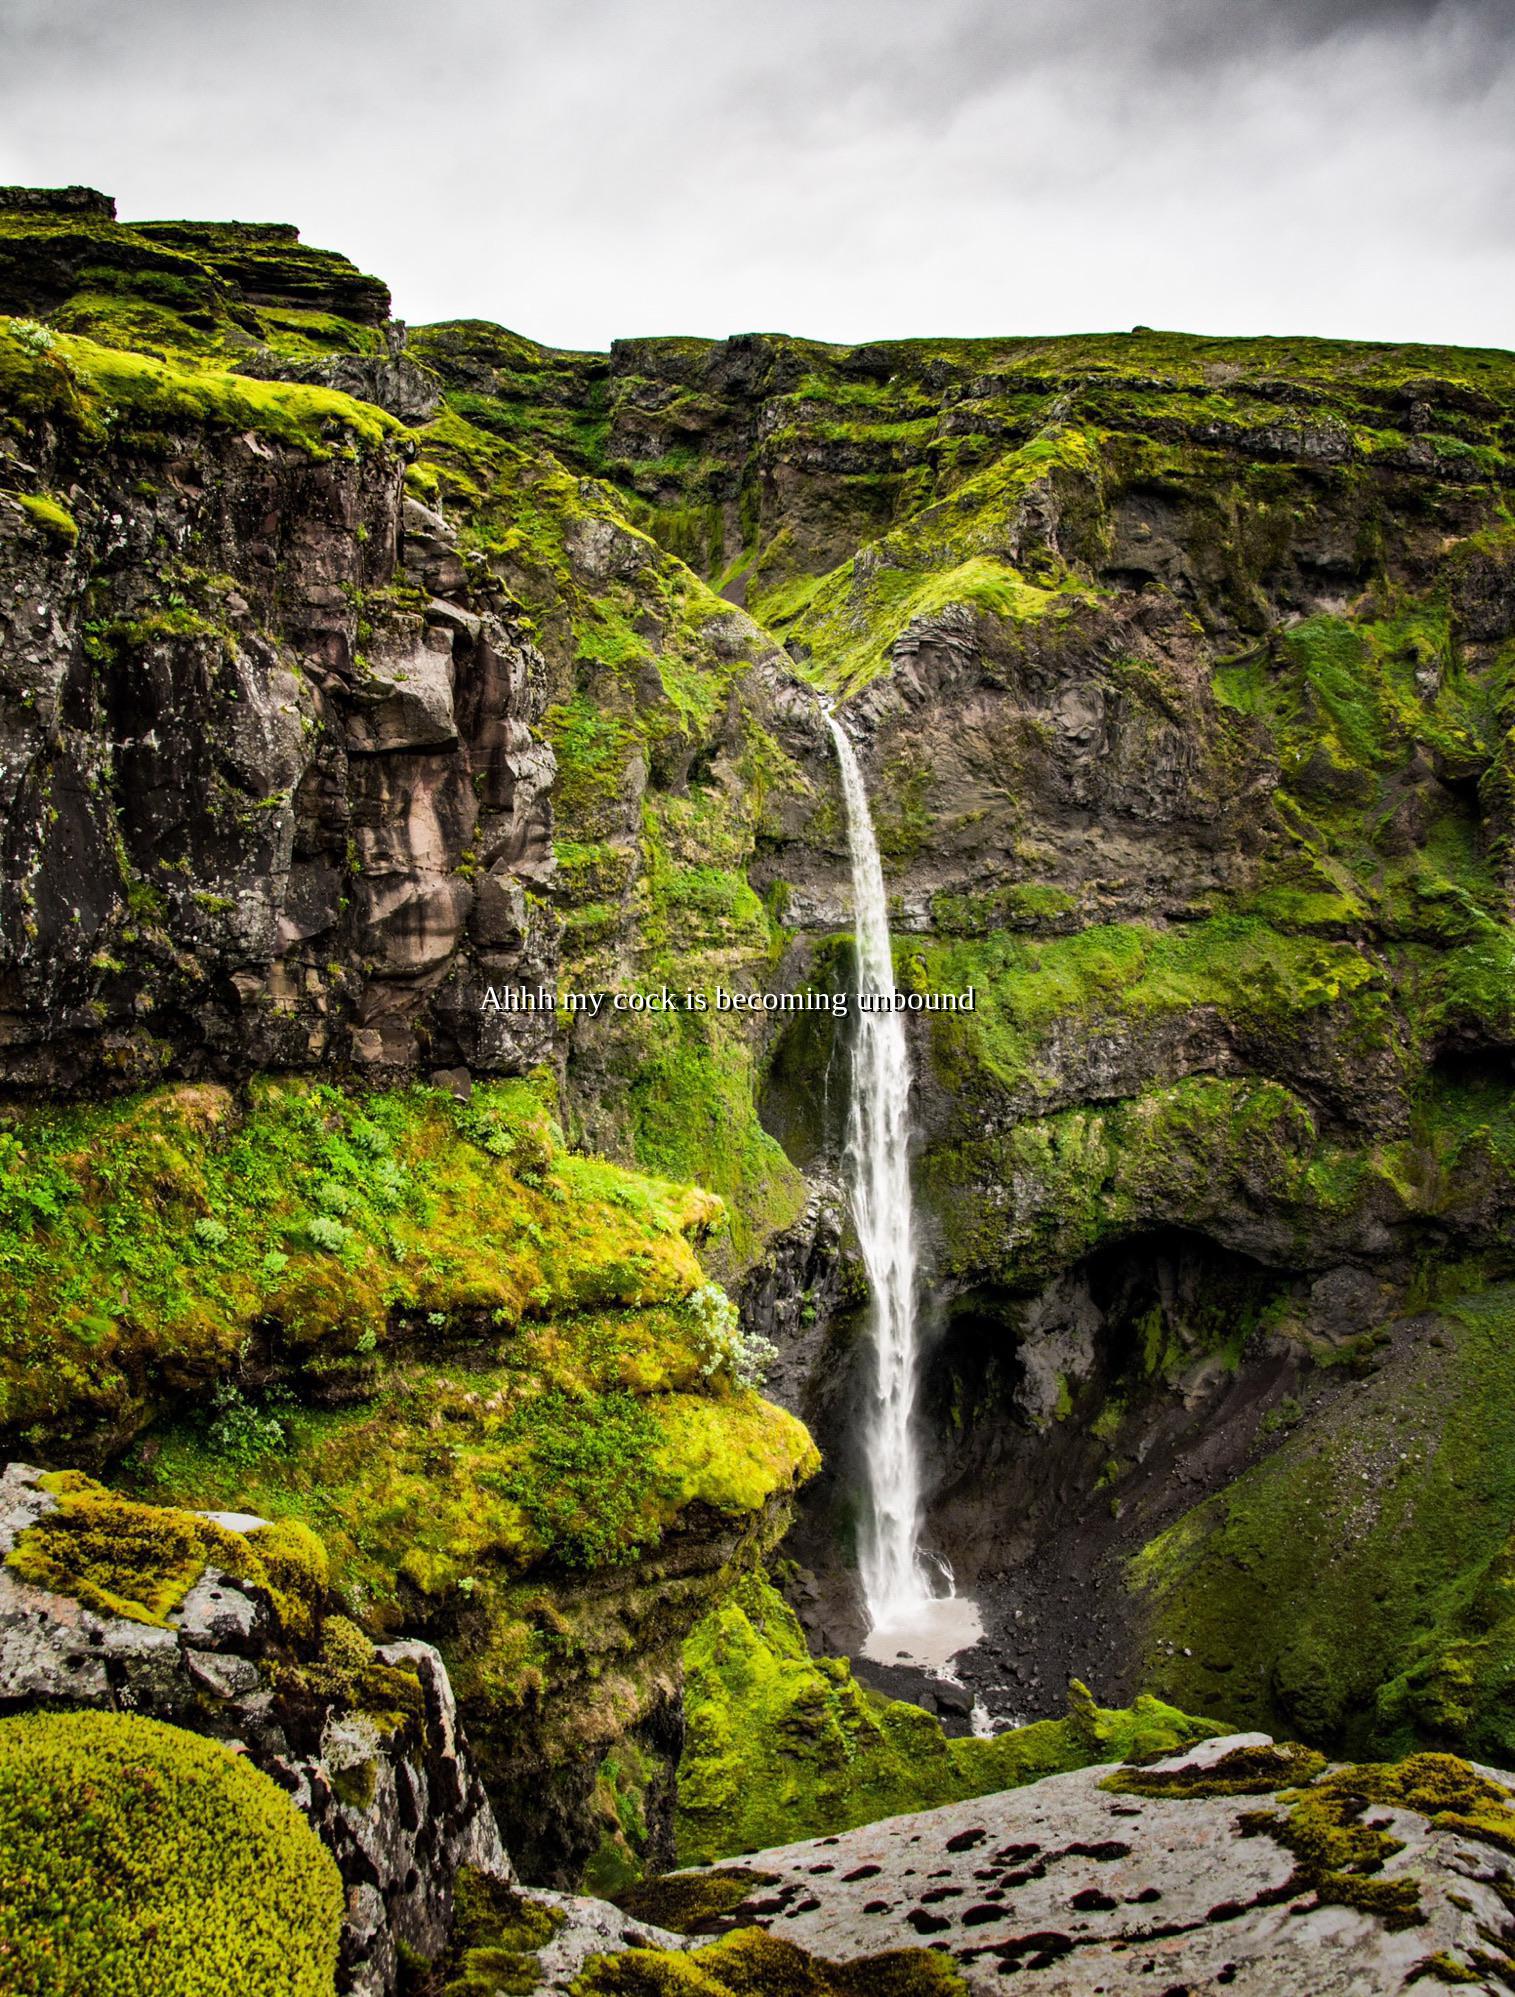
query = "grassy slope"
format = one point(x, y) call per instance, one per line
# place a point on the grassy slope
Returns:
point(782, 1745)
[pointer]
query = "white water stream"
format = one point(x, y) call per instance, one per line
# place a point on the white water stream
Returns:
point(909, 1619)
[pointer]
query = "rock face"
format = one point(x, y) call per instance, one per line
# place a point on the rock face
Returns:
point(1095, 1882)
point(394, 1797)
point(291, 821)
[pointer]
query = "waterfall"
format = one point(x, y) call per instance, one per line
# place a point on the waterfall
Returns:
point(895, 1583)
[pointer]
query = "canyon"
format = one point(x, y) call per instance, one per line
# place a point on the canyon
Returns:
point(352, 672)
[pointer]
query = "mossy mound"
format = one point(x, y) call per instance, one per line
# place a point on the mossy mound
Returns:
point(141, 1861)
point(121, 1558)
point(496, 1934)
point(692, 1903)
point(783, 1746)
point(143, 1240)
point(491, 1501)
point(753, 1964)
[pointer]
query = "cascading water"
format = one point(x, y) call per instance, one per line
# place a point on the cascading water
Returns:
point(908, 1618)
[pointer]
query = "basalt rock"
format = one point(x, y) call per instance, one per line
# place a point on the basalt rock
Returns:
point(276, 791)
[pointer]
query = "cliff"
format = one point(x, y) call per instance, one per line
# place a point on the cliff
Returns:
point(352, 675)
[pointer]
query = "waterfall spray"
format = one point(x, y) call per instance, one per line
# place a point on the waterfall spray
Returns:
point(895, 1583)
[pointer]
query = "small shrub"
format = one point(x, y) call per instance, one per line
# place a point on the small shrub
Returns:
point(321, 1231)
point(242, 1429)
point(724, 1348)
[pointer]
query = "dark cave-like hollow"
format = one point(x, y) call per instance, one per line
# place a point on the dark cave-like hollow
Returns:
point(1057, 1429)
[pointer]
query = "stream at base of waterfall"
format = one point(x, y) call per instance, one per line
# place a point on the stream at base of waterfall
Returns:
point(915, 1615)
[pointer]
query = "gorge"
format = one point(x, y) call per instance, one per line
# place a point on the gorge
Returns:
point(1157, 689)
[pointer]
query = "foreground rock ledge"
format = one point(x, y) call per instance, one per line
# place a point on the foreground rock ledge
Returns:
point(1094, 1893)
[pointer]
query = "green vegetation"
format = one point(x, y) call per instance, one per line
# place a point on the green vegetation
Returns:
point(140, 1561)
point(1339, 1849)
point(749, 1961)
point(1404, 1493)
point(1267, 987)
point(495, 1939)
point(948, 556)
point(148, 1862)
point(454, 1492)
point(109, 393)
point(497, 1357)
point(783, 1746)
point(665, 775)
point(147, 1236)
point(120, 1558)
point(52, 516)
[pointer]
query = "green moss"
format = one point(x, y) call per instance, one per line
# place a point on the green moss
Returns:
point(692, 1903)
point(1444, 1968)
point(347, 1673)
point(102, 392)
point(496, 1935)
point(328, 1215)
point(1340, 1854)
point(1242, 1771)
point(753, 1964)
point(947, 556)
point(664, 778)
point(52, 516)
point(148, 1862)
point(1267, 986)
point(140, 1561)
point(693, 1115)
point(1407, 1491)
point(782, 1746)
point(1181, 1155)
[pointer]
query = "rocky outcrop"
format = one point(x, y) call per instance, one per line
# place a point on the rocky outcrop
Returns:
point(277, 798)
point(1195, 1872)
point(792, 1295)
point(366, 1741)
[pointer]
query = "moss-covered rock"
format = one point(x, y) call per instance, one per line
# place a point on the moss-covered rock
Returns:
point(783, 1746)
point(155, 1244)
point(743, 1964)
point(140, 1561)
point(148, 1862)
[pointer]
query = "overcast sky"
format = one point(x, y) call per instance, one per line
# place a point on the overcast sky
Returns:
point(850, 169)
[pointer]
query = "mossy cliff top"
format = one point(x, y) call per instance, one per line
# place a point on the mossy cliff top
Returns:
point(103, 393)
point(743, 1964)
point(226, 286)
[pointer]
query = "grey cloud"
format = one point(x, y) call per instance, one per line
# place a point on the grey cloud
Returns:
point(582, 168)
